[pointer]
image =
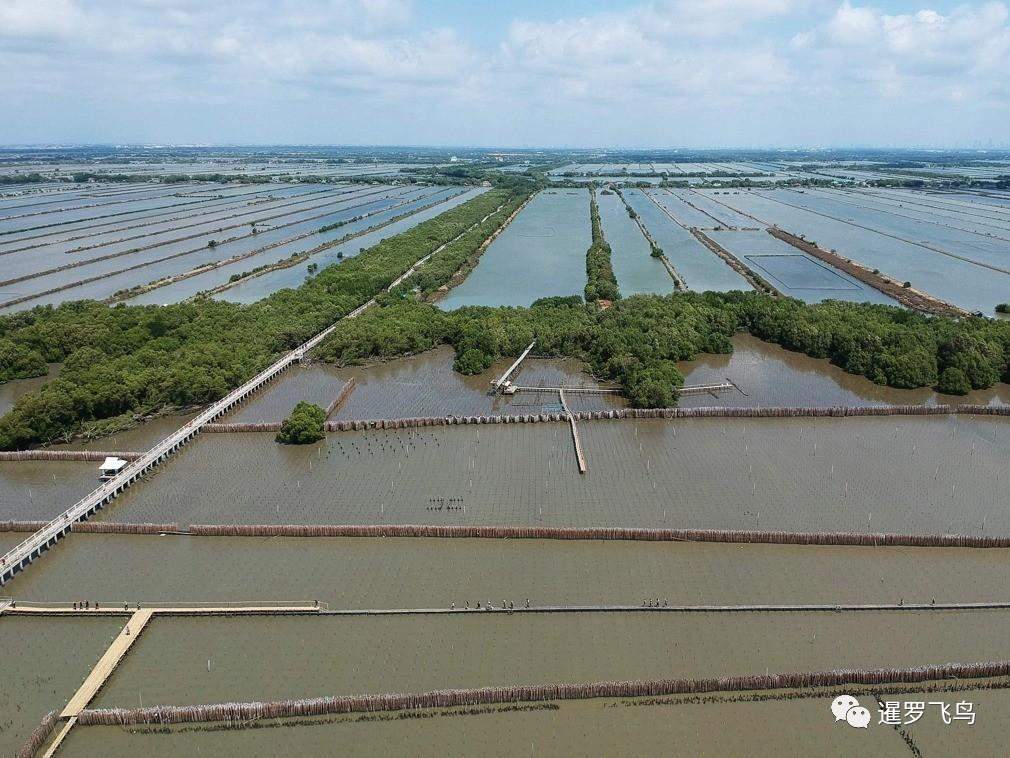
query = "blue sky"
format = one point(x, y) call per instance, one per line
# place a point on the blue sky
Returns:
point(658, 73)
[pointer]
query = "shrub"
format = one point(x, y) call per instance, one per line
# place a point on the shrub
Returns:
point(304, 426)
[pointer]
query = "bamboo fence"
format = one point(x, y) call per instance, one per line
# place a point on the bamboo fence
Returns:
point(247, 712)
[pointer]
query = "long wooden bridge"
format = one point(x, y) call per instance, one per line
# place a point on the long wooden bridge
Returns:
point(25, 552)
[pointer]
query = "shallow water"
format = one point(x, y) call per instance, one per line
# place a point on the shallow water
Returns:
point(900, 474)
point(15, 389)
point(794, 273)
point(44, 660)
point(179, 661)
point(771, 375)
point(540, 254)
point(364, 572)
point(426, 385)
point(41, 490)
point(316, 383)
point(700, 267)
point(636, 270)
point(634, 727)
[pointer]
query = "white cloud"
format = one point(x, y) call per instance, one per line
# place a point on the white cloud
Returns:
point(645, 67)
point(923, 54)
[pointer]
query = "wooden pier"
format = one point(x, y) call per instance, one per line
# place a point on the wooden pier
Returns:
point(503, 380)
point(707, 389)
point(579, 455)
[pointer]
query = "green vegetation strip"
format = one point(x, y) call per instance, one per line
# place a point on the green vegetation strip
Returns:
point(638, 341)
point(126, 361)
point(601, 284)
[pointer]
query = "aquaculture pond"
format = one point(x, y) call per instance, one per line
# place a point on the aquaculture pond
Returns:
point(540, 254)
point(934, 474)
point(699, 266)
point(794, 273)
point(369, 215)
point(59, 264)
point(363, 572)
point(960, 282)
point(110, 270)
point(251, 290)
point(636, 270)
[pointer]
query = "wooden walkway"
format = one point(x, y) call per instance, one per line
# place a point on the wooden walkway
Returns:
point(743, 608)
point(107, 663)
point(579, 455)
point(114, 609)
point(498, 383)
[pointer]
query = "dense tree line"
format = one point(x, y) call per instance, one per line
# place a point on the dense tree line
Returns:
point(638, 341)
point(601, 284)
point(125, 361)
point(31, 178)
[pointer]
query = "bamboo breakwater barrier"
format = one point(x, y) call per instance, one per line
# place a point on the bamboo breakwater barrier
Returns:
point(617, 414)
point(241, 713)
point(341, 398)
point(93, 527)
point(64, 455)
point(907, 296)
point(671, 413)
point(39, 736)
point(738, 536)
point(260, 426)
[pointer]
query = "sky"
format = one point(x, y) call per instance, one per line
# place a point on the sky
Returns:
point(515, 73)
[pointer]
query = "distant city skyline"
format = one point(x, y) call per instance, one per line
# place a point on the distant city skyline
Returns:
point(608, 75)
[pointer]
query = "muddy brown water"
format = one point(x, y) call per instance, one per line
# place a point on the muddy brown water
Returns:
point(41, 490)
point(773, 728)
point(43, 661)
point(318, 383)
point(771, 375)
point(179, 661)
point(434, 573)
point(426, 385)
point(143, 436)
point(895, 474)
